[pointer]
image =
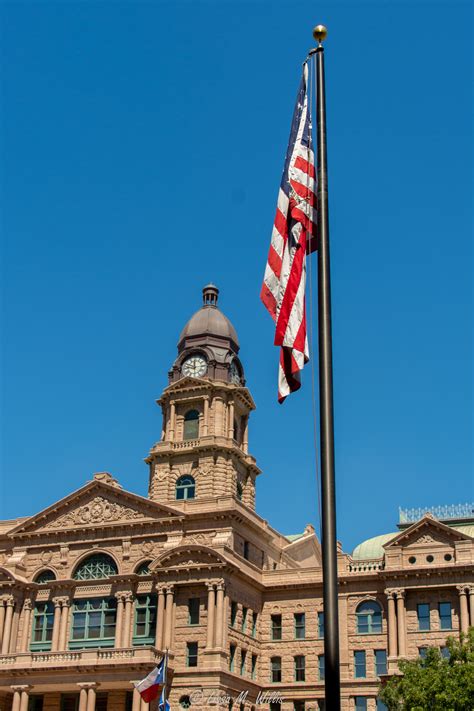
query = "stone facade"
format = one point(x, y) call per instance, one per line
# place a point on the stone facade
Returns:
point(94, 588)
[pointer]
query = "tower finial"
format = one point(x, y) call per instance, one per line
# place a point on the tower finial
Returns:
point(210, 295)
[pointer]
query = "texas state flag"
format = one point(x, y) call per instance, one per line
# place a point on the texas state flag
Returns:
point(150, 687)
point(164, 705)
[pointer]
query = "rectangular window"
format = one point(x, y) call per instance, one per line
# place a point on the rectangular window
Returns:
point(445, 653)
point(254, 624)
point(422, 652)
point(192, 654)
point(193, 611)
point(381, 706)
point(300, 664)
point(69, 702)
point(321, 625)
point(253, 670)
point(276, 626)
point(380, 662)
point(244, 618)
point(246, 550)
point(35, 702)
point(233, 613)
point(232, 657)
point(298, 705)
point(93, 623)
point(321, 667)
point(321, 705)
point(243, 658)
point(299, 625)
point(360, 703)
point(359, 665)
point(275, 675)
point(275, 706)
point(445, 621)
point(423, 610)
point(42, 634)
point(145, 620)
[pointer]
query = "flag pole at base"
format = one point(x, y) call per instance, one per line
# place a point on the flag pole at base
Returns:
point(328, 526)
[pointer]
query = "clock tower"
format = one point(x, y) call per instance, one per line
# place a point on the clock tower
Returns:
point(203, 451)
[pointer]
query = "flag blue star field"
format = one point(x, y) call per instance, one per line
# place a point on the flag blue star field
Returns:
point(293, 236)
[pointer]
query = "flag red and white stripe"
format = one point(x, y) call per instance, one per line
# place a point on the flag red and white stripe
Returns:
point(293, 236)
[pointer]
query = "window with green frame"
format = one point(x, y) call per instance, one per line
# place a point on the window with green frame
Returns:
point(95, 567)
point(244, 618)
point(254, 624)
point(42, 633)
point(193, 611)
point(93, 623)
point(144, 626)
point(44, 576)
point(233, 612)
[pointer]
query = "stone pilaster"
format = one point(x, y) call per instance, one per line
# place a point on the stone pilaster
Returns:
point(7, 627)
point(392, 623)
point(211, 604)
point(26, 612)
point(463, 609)
point(401, 624)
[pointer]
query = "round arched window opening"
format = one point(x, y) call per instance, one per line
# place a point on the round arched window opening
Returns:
point(44, 577)
point(143, 568)
point(429, 558)
point(185, 488)
point(185, 702)
point(412, 559)
point(369, 617)
point(191, 425)
point(448, 557)
point(95, 567)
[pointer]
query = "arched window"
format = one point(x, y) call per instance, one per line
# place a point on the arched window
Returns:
point(191, 425)
point(95, 567)
point(143, 568)
point(240, 491)
point(369, 617)
point(185, 487)
point(44, 577)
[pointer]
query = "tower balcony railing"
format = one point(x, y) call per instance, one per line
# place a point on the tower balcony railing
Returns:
point(84, 657)
point(365, 566)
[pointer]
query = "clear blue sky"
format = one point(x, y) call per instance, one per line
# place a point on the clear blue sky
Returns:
point(142, 148)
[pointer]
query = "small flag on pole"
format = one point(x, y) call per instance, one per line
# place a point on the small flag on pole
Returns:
point(150, 687)
point(164, 703)
point(283, 290)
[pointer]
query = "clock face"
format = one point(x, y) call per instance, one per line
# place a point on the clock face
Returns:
point(194, 367)
point(234, 374)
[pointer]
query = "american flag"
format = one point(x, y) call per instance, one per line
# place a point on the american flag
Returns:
point(283, 290)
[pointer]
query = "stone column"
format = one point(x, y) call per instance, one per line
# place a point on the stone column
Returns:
point(168, 617)
point(219, 614)
point(471, 605)
point(7, 628)
point(230, 432)
point(160, 618)
point(127, 620)
point(56, 623)
point(27, 607)
point(463, 609)
point(245, 441)
point(172, 419)
point(63, 624)
point(16, 697)
point(136, 700)
point(2, 618)
point(83, 697)
point(91, 694)
point(211, 596)
point(205, 422)
point(24, 698)
point(392, 624)
point(401, 623)
point(119, 620)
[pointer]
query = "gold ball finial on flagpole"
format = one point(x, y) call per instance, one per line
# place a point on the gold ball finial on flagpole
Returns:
point(320, 33)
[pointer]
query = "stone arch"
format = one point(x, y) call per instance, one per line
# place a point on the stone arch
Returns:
point(45, 569)
point(88, 554)
point(190, 555)
point(10, 576)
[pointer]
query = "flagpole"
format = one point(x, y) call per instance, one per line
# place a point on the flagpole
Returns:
point(332, 681)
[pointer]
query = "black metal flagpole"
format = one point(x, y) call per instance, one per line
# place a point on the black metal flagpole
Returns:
point(328, 527)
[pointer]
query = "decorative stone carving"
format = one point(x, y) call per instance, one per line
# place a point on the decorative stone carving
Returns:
point(99, 510)
point(147, 547)
point(162, 472)
point(46, 557)
point(200, 539)
point(426, 538)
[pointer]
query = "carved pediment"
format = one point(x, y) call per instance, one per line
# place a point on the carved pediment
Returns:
point(426, 532)
point(99, 503)
point(189, 556)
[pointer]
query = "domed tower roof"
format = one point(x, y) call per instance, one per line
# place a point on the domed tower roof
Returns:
point(209, 321)
point(208, 345)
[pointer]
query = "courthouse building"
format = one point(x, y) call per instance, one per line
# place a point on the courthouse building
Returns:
point(96, 586)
